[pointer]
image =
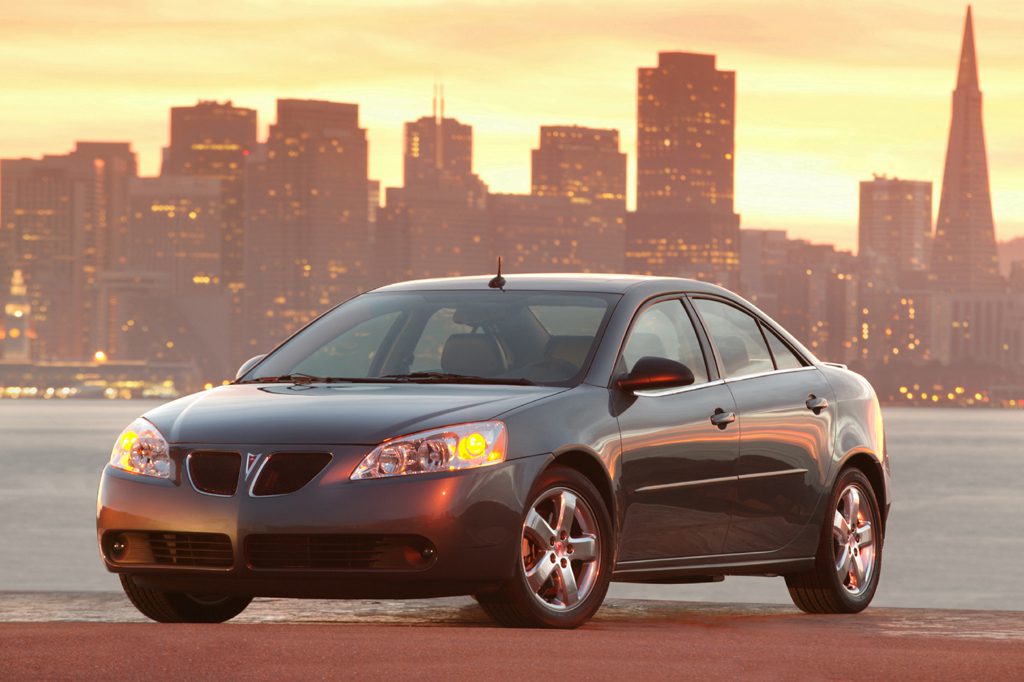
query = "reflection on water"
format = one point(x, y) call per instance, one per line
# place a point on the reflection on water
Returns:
point(954, 536)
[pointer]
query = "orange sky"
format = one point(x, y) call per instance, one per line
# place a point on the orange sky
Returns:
point(828, 92)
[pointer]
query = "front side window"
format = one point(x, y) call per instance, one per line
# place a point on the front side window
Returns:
point(501, 336)
point(664, 330)
point(737, 335)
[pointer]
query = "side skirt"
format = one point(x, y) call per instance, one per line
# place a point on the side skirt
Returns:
point(709, 571)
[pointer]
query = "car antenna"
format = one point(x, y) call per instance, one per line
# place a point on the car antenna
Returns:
point(497, 282)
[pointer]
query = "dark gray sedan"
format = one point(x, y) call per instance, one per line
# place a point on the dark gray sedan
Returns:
point(525, 441)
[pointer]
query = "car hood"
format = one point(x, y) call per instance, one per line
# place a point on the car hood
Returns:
point(337, 414)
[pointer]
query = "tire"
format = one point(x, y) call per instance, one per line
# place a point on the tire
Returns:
point(549, 602)
point(828, 587)
point(173, 607)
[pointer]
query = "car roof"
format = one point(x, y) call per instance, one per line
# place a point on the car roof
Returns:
point(589, 282)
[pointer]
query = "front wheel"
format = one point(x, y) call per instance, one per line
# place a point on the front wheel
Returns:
point(174, 607)
point(849, 559)
point(564, 564)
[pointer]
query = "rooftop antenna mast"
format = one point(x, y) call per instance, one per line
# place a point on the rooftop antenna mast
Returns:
point(497, 282)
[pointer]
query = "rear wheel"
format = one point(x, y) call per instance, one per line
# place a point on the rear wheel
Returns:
point(564, 564)
point(849, 559)
point(174, 607)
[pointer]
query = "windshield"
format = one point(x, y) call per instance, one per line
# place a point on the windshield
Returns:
point(488, 336)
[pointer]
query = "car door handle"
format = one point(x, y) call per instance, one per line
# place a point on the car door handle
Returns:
point(722, 419)
point(816, 404)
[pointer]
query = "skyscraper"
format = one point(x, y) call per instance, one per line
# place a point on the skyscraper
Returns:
point(436, 224)
point(580, 163)
point(437, 149)
point(895, 226)
point(964, 257)
point(176, 231)
point(686, 130)
point(684, 223)
point(574, 219)
point(56, 218)
point(307, 244)
point(213, 139)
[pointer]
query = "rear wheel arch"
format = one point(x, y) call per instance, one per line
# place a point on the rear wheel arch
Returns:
point(869, 465)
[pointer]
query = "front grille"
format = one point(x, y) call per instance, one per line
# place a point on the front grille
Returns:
point(338, 552)
point(286, 472)
point(199, 550)
point(214, 473)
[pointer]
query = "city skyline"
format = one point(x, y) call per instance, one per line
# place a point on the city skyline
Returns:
point(877, 104)
point(240, 242)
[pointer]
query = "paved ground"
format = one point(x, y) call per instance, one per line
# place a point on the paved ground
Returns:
point(90, 635)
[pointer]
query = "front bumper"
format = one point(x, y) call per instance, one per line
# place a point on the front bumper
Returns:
point(472, 519)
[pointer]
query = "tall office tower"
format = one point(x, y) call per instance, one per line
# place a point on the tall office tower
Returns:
point(964, 256)
point(213, 139)
point(58, 216)
point(436, 224)
point(115, 167)
point(579, 163)
point(895, 227)
point(684, 223)
point(437, 148)
point(170, 304)
point(176, 232)
point(307, 243)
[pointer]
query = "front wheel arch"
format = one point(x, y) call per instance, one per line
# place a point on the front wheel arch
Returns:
point(591, 467)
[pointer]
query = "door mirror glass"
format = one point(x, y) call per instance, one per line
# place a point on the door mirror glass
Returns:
point(247, 365)
point(651, 373)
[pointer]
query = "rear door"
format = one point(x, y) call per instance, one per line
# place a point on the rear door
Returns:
point(784, 406)
point(678, 468)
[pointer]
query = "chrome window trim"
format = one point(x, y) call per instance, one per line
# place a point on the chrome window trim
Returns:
point(685, 484)
point(758, 375)
point(659, 392)
point(188, 472)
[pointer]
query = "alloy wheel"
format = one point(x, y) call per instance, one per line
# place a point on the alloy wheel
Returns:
point(561, 549)
point(853, 541)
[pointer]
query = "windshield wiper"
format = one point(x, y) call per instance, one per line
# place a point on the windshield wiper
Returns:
point(301, 378)
point(452, 378)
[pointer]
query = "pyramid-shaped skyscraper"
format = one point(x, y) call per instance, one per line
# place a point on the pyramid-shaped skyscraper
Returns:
point(964, 257)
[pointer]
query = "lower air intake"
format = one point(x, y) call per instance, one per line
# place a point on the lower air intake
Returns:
point(338, 552)
point(197, 550)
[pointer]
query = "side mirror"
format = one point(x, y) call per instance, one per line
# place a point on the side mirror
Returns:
point(247, 365)
point(651, 373)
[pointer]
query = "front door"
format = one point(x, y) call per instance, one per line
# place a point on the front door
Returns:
point(786, 417)
point(678, 468)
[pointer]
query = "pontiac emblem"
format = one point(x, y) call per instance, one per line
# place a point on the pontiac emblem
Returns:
point(250, 463)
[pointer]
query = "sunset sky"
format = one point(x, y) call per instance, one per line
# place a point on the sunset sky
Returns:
point(827, 92)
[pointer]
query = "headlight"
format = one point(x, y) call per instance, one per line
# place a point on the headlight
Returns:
point(463, 446)
point(140, 449)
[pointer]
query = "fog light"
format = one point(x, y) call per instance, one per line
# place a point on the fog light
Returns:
point(118, 548)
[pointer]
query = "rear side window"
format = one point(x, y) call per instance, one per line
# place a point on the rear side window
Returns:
point(737, 336)
point(784, 357)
